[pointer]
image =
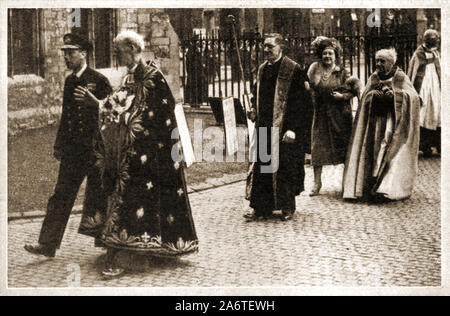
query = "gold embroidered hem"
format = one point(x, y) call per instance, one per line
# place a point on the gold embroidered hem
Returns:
point(150, 244)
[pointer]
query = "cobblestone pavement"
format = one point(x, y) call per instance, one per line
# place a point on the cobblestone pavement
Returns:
point(328, 243)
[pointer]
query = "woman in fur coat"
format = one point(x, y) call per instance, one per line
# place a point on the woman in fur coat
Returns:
point(332, 89)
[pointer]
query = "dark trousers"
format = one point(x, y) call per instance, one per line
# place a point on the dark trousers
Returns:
point(262, 199)
point(71, 175)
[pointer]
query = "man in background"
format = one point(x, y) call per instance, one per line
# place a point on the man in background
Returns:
point(425, 74)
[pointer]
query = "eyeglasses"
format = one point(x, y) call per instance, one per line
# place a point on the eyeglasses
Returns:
point(269, 46)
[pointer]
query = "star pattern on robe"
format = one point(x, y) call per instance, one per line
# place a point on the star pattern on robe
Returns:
point(145, 237)
point(149, 185)
point(164, 101)
point(176, 165)
point(151, 114)
point(168, 122)
point(140, 213)
point(143, 159)
point(160, 145)
point(180, 192)
point(146, 133)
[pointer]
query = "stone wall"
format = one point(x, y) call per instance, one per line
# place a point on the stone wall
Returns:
point(35, 101)
point(55, 25)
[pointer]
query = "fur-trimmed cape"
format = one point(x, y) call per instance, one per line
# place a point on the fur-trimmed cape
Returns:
point(396, 176)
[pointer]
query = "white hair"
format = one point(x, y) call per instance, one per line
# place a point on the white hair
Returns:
point(129, 37)
point(430, 32)
point(389, 53)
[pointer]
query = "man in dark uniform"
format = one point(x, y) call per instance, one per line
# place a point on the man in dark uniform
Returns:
point(280, 96)
point(73, 146)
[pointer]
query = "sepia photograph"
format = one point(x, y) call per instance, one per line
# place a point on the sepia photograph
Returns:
point(230, 146)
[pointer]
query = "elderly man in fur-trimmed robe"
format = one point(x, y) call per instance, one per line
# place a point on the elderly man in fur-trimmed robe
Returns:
point(381, 161)
point(280, 104)
point(425, 74)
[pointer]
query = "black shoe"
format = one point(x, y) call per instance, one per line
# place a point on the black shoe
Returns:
point(427, 152)
point(252, 217)
point(378, 199)
point(316, 189)
point(249, 215)
point(41, 250)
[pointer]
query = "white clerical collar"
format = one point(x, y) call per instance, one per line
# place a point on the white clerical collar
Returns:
point(80, 72)
point(429, 48)
point(275, 60)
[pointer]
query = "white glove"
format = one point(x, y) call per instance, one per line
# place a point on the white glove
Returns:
point(289, 137)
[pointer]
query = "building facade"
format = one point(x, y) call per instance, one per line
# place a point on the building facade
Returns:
point(303, 22)
point(36, 67)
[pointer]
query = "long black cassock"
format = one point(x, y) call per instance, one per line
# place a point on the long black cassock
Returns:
point(281, 101)
point(148, 208)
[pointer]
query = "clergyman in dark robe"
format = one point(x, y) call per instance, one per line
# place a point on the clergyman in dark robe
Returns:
point(277, 111)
